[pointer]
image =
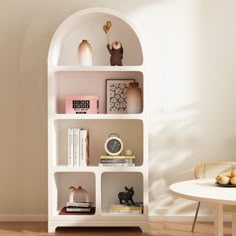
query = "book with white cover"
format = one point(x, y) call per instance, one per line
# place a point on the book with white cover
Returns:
point(117, 157)
point(70, 147)
point(78, 209)
point(79, 204)
point(116, 165)
point(76, 146)
point(84, 147)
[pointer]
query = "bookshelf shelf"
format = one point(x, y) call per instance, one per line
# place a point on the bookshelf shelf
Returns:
point(95, 169)
point(55, 69)
point(97, 116)
point(117, 215)
point(67, 78)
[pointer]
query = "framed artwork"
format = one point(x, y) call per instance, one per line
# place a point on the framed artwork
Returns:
point(116, 95)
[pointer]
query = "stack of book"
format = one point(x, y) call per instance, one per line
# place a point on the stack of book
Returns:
point(78, 147)
point(78, 207)
point(124, 209)
point(117, 161)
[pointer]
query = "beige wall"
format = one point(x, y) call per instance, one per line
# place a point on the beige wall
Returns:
point(191, 54)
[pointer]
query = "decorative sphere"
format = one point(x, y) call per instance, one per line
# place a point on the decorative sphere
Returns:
point(128, 152)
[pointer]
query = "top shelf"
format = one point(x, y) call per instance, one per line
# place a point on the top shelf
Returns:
point(95, 68)
point(89, 26)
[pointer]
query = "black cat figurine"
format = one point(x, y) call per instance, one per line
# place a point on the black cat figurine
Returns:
point(126, 197)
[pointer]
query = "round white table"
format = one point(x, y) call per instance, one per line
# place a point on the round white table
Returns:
point(205, 190)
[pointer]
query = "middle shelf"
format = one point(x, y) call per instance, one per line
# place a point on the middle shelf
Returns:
point(130, 132)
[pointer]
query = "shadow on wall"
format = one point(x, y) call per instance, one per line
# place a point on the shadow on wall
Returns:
point(179, 141)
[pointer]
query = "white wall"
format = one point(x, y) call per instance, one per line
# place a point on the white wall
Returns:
point(191, 51)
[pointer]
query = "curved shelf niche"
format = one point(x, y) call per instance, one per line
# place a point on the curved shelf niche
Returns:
point(88, 25)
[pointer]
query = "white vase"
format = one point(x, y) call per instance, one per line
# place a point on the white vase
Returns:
point(134, 99)
point(85, 54)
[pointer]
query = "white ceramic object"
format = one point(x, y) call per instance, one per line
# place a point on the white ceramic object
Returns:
point(85, 54)
point(134, 99)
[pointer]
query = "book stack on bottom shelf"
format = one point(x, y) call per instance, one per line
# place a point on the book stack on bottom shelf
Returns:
point(125, 209)
point(117, 160)
point(78, 207)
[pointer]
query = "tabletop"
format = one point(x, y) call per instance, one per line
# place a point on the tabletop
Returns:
point(205, 190)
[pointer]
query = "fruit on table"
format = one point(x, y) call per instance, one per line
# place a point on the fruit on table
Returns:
point(233, 180)
point(223, 179)
point(233, 173)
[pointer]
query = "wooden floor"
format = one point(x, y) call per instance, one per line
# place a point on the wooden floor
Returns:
point(156, 228)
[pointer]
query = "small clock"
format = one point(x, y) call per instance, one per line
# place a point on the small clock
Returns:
point(113, 145)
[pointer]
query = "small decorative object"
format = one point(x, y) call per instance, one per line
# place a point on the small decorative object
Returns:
point(127, 196)
point(113, 145)
point(116, 95)
point(81, 204)
point(106, 29)
point(82, 105)
point(134, 99)
point(128, 152)
point(85, 54)
point(79, 191)
point(116, 51)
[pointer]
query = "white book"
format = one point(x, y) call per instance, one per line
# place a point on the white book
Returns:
point(72, 209)
point(79, 204)
point(84, 147)
point(116, 164)
point(125, 212)
point(70, 147)
point(76, 146)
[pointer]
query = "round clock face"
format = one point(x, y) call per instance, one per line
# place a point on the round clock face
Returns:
point(113, 146)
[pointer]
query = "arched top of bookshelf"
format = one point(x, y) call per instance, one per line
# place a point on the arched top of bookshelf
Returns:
point(88, 24)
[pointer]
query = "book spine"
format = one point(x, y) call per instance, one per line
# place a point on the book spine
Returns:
point(125, 212)
point(70, 147)
point(126, 208)
point(78, 204)
point(129, 161)
point(84, 147)
point(117, 157)
point(76, 146)
point(116, 165)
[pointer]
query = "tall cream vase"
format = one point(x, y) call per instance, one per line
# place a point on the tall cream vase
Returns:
point(85, 54)
point(134, 99)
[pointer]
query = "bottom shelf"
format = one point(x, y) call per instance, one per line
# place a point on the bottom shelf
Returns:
point(64, 212)
point(135, 222)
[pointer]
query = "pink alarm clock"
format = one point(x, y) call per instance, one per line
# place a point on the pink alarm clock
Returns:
point(82, 105)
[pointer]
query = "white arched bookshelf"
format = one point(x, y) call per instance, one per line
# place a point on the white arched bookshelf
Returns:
point(67, 78)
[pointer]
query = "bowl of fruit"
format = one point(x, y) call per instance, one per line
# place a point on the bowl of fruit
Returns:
point(228, 180)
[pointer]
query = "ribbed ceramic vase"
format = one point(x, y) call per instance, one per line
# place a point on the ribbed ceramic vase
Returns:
point(134, 99)
point(85, 54)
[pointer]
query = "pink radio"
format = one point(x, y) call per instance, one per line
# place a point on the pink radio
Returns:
point(82, 105)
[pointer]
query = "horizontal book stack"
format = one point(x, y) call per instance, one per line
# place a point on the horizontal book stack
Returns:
point(79, 207)
point(117, 161)
point(124, 209)
point(78, 147)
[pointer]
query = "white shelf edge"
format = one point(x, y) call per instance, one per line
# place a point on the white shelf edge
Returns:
point(96, 68)
point(59, 169)
point(56, 214)
point(122, 169)
point(96, 116)
point(107, 214)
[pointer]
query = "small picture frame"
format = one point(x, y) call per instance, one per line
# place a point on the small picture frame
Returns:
point(116, 95)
